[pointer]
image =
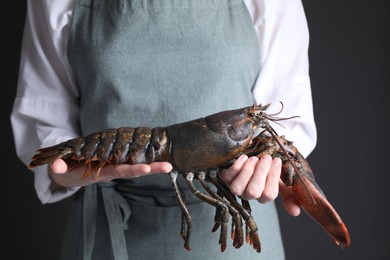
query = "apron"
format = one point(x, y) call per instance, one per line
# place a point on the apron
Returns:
point(155, 63)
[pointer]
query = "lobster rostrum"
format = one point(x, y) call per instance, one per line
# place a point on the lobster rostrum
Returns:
point(198, 150)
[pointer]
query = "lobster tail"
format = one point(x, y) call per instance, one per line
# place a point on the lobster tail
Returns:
point(48, 155)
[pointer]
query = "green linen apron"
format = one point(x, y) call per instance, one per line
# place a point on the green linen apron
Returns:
point(154, 63)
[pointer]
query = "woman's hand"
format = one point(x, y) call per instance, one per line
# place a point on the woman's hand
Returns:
point(259, 179)
point(59, 172)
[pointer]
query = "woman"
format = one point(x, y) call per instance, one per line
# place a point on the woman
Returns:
point(90, 65)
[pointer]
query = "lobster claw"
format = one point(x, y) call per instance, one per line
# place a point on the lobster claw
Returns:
point(312, 199)
point(297, 173)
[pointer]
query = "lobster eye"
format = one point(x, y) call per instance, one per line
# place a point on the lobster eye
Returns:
point(255, 112)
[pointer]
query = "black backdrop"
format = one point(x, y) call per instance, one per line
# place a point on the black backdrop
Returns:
point(349, 66)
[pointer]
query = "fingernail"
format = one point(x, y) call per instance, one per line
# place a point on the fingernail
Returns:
point(277, 161)
point(242, 158)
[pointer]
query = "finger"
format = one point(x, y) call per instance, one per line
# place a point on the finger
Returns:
point(271, 188)
point(290, 203)
point(127, 171)
point(58, 167)
point(137, 170)
point(163, 167)
point(230, 174)
point(239, 184)
point(256, 184)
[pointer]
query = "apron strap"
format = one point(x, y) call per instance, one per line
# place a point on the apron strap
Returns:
point(118, 212)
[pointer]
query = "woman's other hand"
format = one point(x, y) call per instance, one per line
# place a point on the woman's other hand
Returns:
point(259, 179)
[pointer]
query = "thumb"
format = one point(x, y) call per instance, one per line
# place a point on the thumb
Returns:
point(290, 203)
point(58, 167)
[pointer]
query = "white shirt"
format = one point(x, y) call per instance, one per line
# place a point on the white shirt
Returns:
point(46, 110)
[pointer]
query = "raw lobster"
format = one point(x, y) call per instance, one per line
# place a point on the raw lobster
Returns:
point(199, 149)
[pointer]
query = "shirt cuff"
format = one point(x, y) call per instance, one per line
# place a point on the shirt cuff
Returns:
point(47, 190)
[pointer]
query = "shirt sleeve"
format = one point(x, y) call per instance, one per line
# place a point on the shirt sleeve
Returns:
point(283, 37)
point(46, 108)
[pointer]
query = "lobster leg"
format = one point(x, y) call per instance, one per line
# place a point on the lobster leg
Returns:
point(247, 207)
point(249, 221)
point(236, 232)
point(216, 203)
point(185, 234)
point(217, 219)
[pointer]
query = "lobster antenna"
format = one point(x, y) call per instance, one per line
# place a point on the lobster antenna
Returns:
point(276, 119)
point(273, 118)
point(273, 132)
point(280, 111)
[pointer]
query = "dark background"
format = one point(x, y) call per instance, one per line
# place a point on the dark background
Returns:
point(349, 66)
